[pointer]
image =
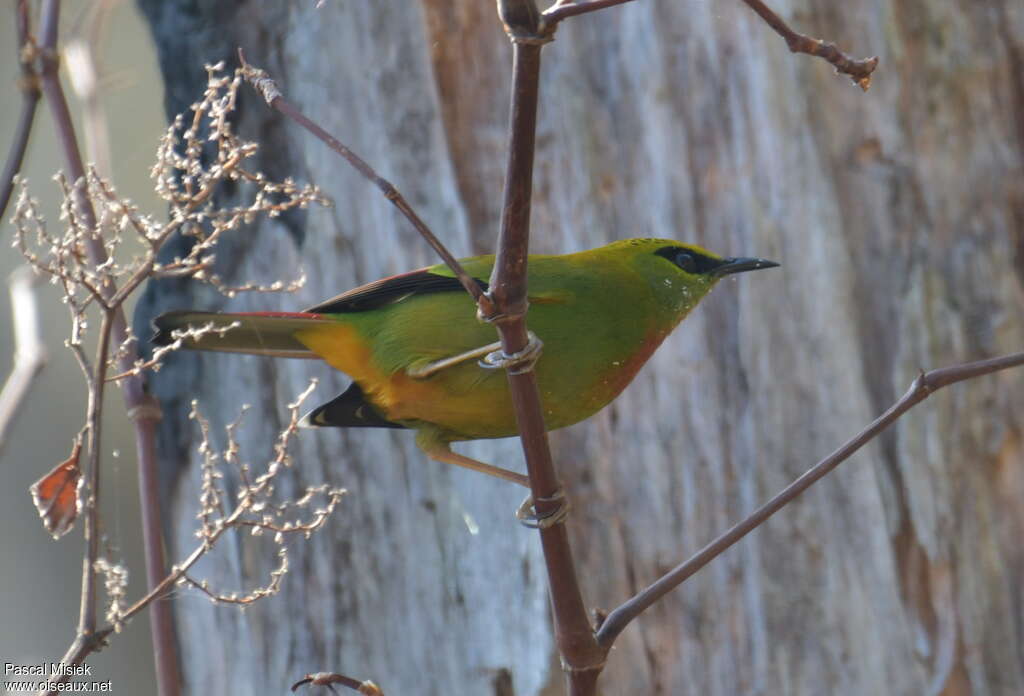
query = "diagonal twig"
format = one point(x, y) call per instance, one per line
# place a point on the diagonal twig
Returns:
point(563, 10)
point(925, 384)
point(368, 688)
point(268, 89)
point(859, 70)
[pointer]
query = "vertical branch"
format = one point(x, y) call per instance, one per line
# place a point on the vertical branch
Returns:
point(575, 638)
point(29, 351)
point(142, 408)
point(87, 610)
point(28, 83)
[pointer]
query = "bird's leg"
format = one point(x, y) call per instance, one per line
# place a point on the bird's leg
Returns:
point(432, 368)
point(437, 448)
point(449, 457)
point(491, 358)
point(441, 451)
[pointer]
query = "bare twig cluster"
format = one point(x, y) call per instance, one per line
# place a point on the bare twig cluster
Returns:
point(194, 158)
point(103, 250)
point(256, 510)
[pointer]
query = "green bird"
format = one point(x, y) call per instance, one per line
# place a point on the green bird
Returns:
point(411, 343)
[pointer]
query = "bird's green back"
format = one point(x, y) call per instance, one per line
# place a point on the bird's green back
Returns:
point(600, 313)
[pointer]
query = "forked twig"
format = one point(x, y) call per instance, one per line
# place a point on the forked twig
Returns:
point(859, 70)
point(925, 384)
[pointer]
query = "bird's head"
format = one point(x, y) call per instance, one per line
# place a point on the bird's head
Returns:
point(682, 274)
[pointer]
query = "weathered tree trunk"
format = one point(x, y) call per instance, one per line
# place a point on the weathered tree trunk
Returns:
point(898, 216)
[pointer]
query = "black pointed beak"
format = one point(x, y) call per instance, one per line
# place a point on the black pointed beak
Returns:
point(740, 265)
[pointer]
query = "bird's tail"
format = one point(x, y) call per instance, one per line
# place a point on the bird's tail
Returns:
point(258, 333)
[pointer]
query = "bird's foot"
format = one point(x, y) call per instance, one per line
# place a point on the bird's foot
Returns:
point(441, 452)
point(529, 517)
point(517, 363)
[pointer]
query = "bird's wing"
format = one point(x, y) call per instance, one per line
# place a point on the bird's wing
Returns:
point(350, 409)
point(388, 291)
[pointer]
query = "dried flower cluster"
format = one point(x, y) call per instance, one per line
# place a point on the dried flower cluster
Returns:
point(115, 582)
point(90, 260)
point(255, 510)
point(194, 158)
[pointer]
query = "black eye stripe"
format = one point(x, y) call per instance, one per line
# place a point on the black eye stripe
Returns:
point(686, 262)
point(701, 263)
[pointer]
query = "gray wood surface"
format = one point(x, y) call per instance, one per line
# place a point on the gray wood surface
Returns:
point(898, 218)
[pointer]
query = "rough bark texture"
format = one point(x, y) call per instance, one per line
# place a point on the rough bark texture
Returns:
point(898, 217)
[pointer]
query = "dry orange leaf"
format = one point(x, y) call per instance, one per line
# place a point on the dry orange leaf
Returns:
point(56, 495)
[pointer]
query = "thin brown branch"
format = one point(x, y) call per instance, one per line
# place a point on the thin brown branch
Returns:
point(922, 387)
point(50, 17)
point(580, 653)
point(174, 577)
point(254, 493)
point(94, 418)
point(178, 336)
point(80, 648)
point(563, 10)
point(368, 688)
point(142, 408)
point(859, 70)
point(28, 83)
point(29, 349)
point(265, 85)
point(528, 30)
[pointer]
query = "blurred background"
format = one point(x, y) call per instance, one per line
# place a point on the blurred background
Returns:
point(40, 577)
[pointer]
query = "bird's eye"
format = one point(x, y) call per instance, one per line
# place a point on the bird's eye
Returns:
point(686, 262)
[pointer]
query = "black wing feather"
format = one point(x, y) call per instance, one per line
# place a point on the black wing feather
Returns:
point(350, 409)
point(390, 290)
